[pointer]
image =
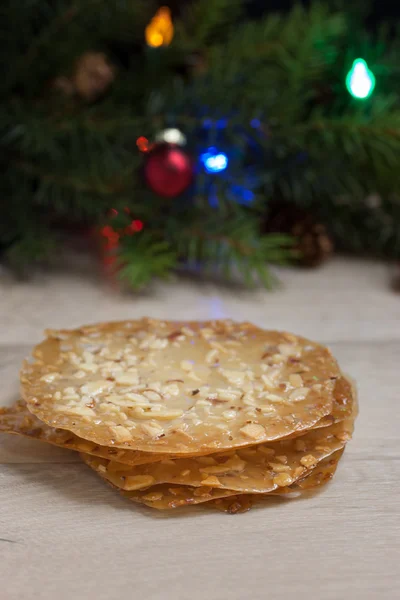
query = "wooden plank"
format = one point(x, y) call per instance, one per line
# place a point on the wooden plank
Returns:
point(345, 300)
point(72, 536)
point(64, 534)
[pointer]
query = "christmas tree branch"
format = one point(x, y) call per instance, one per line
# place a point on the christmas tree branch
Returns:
point(68, 182)
point(349, 127)
point(143, 257)
point(270, 95)
point(53, 28)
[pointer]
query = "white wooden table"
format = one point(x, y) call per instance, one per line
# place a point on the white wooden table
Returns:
point(66, 535)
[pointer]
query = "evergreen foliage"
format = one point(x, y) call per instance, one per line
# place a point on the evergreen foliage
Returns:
point(271, 95)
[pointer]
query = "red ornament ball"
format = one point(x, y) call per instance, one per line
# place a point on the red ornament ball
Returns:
point(168, 170)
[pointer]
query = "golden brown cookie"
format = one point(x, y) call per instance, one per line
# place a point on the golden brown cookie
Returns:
point(314, 479)
point(167, 496)
point(256, 469)
point(179, 387)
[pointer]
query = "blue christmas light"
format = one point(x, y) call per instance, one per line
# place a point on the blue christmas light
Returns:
point(214, 161)
point(240, 194)
point(221, 123)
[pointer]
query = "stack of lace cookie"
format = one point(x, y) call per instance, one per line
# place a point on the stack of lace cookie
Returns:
point(179, 413)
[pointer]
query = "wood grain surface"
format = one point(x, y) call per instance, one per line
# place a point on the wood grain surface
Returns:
point(64, 534)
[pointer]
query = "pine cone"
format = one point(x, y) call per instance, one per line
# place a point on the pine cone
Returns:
point(312, 240)
point(92, 76)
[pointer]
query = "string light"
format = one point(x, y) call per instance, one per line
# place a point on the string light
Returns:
point(360, 80)
point(134, 227)
point(214, 161)
point(113, 235)
point(143, 144)
point(171, 136)
point(160, 30)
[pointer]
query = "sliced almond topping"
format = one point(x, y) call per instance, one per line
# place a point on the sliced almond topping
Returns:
point(233, 376)
point(251, 413)
point(211, 356)
point(203, 490)
point(296, 380)
point(222, 426)
point(171, 389)
point(88, 356)
point(282, 480)
point(152, 395)
point(186, 365)
point(343, 437)
point(73, 397)
point(300, 445)
point(275, 399)
point(289, 349)
point(219, 347)
point(96, 387)
point(167, 415)
point(229, 415)
point(79, 374)
point(136, 398)
point(187, 331)
point(69, 390)
point(146, 342)
point(152, 429)
point(282, 459)
point(249, 400)
point(203, 402)
point(192, 375)
point(253, 431)
point(130, 378)
point(279, 468)
point(269, 384)
point(298, 472)
point(49, 377)
point(234, 464)
point(211, 481)
point(265, 450)
point(158, 344)
point(138, 482)
point(83, 411)
point(229, 395)
point(308, 461)
point(89, 367)
point(153, 496)
point(299, 394)
point(121, 434)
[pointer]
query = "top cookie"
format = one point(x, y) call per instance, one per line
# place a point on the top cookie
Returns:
point(179, 387)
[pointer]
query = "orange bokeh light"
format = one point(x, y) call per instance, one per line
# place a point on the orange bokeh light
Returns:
point(160, 30)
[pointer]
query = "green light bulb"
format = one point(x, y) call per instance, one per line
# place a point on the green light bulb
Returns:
point(360, 81)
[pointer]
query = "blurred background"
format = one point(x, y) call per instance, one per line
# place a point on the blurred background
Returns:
point(215, 137)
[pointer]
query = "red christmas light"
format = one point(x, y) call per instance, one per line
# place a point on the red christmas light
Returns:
point(143, 144)
point(106, 231)
point(137, 224)
point(112, 237)
point(134, 227)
